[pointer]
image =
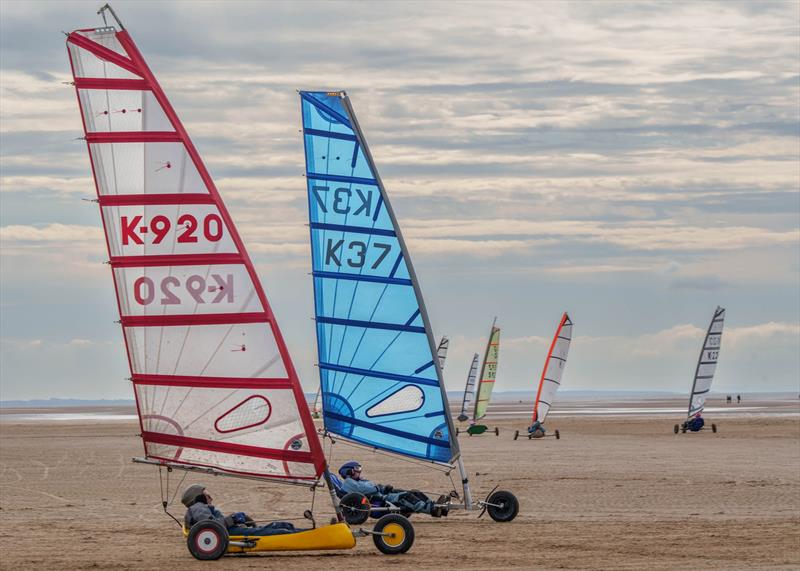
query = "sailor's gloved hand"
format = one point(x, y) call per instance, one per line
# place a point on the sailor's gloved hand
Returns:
point(239, 518)
point(387, 489)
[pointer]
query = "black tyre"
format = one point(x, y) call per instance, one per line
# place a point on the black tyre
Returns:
point(714, 428)
point(505, 506)
point(558, 435)
point(457, 431)
point(516, 434)
point(400, 534)
point(207, 540)
point(676, 429)
point(355, 508)
point(683, 429)
point(496, 431)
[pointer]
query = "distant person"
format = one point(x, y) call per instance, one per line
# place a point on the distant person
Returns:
point(412, 500)
point(200, 508)
point(729, 399)
point(696, 423)
point(738, 399)
point(536, 429)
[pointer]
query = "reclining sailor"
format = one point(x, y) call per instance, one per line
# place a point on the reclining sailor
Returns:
point(695, 423)
point(412, 500)
point(200, 507)
point(536, 429)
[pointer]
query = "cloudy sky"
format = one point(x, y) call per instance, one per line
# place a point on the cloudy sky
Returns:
point(633, 163)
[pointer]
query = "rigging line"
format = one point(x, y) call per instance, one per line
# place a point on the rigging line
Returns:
point(178, 487)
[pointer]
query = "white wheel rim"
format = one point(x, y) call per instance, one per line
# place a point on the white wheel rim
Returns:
point(207, 541)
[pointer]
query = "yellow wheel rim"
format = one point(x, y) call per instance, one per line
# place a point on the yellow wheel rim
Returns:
point(398, 534)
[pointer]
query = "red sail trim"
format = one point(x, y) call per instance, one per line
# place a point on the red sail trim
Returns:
point(305, 416)
point(111, 83)
point(211, 382)
point(174, 260)
point(133, 137)
point(103, 53)
point(149, 199)
point(546, 365)
point(227, 447)
point(196, 319)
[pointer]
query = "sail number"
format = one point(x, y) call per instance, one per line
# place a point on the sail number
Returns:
point(134, 231)
point(354, 254)
point(342, 198)
point(144, 289)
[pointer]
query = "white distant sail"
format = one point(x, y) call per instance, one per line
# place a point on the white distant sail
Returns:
point(469, 390)
point(707, 363)
point(441, 352)
point(553, 369)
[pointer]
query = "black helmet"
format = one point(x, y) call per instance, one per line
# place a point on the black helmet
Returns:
point(191, 493)
point(347, 469)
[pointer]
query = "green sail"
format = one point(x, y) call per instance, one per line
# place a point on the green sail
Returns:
point(488, 374)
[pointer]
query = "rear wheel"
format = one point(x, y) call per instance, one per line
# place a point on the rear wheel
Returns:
point(397, 534)
point(683, 429)
point(207, 540)
point(505, 506)
point(355, 508)
point(496, 431)
point(516, 434)
point(714, 428)
point(676, 429)
point(457, 431)
point(558, 435)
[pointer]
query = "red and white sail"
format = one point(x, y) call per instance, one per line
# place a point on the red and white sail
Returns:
point(553, 369)
point(213, 380)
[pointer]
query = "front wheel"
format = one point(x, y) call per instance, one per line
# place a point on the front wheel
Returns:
point(207, 540)
point(457, 431)
point(503, 507)
point(396, 534)
point(496, 431)
point(355, 508)
point(558, 435)
point(516, 434)
point(714, 428)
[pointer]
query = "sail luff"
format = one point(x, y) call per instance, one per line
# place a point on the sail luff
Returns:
point(707, 352)
point(454, 448)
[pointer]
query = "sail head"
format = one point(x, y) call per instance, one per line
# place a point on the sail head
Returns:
point(379, 368)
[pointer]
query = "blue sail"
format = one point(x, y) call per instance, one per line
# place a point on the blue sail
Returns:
point(381, 380)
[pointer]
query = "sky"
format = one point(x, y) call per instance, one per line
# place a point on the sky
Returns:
point(636, 164)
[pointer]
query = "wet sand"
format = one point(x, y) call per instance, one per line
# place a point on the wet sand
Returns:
point(616, 492)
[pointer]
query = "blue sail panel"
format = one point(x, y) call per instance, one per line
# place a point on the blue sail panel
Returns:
point(380, 386)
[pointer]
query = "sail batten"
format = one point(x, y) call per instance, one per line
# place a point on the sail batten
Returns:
point(380, 371)
point(706, 363)
point(213, 381)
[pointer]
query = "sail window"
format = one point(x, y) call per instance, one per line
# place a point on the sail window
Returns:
point(251, 412)
point(407, 399)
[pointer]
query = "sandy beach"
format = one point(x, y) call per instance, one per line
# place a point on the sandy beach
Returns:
point(616, 492)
